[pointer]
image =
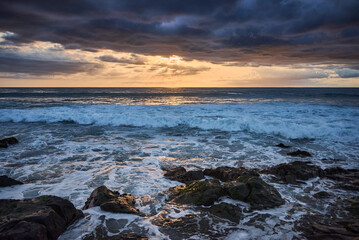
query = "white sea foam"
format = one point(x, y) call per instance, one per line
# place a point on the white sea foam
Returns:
point(290, 120)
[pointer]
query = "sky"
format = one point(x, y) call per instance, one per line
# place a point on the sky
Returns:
point(186, 43)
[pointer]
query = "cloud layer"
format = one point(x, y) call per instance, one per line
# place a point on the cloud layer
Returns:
point(258, 31)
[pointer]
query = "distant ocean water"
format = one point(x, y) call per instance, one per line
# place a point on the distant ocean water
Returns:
point(75, 139)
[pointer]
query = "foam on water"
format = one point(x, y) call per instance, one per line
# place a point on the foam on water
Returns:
point(291, 120)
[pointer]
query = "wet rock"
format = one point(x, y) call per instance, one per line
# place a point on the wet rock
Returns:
point(198, 193)
point(237, 190)
point(4, 143)
point(184, 227)
point(294, 171)
point(354, 208)
point(228, 173)
point(111, 201)
point(281, 145)
point(114, 225)
point(299, 153)
point(322, 194)
point(227, 211)
point(42, 218)
point(5, 181)
point(181, 175)
point(317, 226)
point(348, 178)
point(100, 233)
point(262, 195)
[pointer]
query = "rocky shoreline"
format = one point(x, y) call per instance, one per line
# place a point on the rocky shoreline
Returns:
point(47, 217)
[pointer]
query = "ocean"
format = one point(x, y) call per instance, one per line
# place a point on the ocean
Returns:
point(73, 140)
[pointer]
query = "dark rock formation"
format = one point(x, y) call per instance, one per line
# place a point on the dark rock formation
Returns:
point(228, 173)
point(348, 178)
point(248, 188)
point(181, 175)
point(198, 193)
point(316, 226)
point(299, 153)
point(262, 195)
point(227, 211)
point(291, 172)
point(237, 190)
point(322, 194)
point(111, 201)
point(100, 233)
point(42, 218)
point(281, 145)
point(4, 143)
point(5, 181)
point(354, 208)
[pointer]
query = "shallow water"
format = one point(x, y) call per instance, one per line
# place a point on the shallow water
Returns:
point(74, 140)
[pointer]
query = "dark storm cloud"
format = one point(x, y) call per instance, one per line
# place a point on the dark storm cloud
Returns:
point(133, 59)
point(43, 67)
point(243, 31)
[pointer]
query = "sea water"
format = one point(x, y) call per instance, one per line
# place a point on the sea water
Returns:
point(73, 140)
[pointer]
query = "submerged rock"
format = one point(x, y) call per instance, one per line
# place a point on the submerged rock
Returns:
point(111, 201)
point(42, 218)
point(261, 195)
point(185, 227)
point(198, 193)
point(180, 174)
point(227, 211)
point(281, 145)
point(4, 143)
point(291, 172)
point(100, 233)
point(228, 173)
point(5, 181)
point(299, 153)
point(322, 194)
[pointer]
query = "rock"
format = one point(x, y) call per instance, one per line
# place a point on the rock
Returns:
point(237, 190)
point(322, 194)
point(181, 175)
point(4, 143)
point(42, 218)
point(184, 227)
point(172, 172)
point(100, 233)
point(281, 145)
point(228, 173)
point(331, 229)
point(5, 181)
point(299, 153)
point(262, 195)
point(354, 208)
point(291, 172)
point(198, 193)
point(348, 178)
point(227, 211)
point(111, 201)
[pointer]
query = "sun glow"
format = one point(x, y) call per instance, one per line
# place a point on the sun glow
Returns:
point(174, 60)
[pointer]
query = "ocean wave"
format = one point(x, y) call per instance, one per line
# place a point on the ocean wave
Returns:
point(291, 120)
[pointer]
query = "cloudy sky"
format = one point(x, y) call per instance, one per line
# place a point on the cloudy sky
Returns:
point(187, 43)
